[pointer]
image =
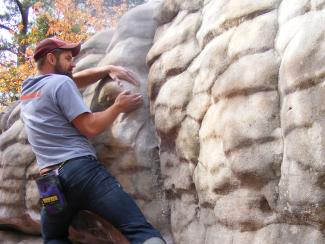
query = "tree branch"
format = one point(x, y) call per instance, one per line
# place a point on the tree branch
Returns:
point(24, 15)
point(6, 27)
point(8, 49)
point(20, 6)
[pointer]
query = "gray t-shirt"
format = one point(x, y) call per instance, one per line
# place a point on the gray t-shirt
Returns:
point(49, 104)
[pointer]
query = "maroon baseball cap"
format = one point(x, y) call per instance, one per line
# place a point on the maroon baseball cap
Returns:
point(49, 44)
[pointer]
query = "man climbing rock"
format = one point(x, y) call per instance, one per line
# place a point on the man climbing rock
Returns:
point(58, 125)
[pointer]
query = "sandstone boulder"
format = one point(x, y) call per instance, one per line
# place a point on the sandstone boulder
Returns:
point(236, 91)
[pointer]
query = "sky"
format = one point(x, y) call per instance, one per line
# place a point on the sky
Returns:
point(1, 7)
point(3, 33)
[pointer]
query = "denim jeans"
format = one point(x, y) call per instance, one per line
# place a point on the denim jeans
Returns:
point(89, 186)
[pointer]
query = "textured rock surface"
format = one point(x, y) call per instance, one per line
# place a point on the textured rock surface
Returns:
point(129, 148)
point(237, 96)
point(18, 238)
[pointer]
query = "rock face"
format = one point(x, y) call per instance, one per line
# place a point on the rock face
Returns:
point(129, 148)
point(237, 94)
point(229, 145)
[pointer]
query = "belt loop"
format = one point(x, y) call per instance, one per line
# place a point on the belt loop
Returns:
point(57, 170)
point(62, 164)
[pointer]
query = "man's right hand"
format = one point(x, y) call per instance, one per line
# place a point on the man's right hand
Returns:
point(91, 124)
point(127, 102)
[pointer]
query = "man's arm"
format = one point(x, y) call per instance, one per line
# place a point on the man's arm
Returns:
point(91, 75)
point(91, 124)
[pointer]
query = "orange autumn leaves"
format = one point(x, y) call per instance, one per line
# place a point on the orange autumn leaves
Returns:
point(72, 23)
point(11, 78)
point(66, 19)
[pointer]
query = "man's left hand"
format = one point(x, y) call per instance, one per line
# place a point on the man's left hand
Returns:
point(119, 73)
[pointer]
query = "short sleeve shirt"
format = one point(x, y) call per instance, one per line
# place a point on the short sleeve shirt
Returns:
point(49, 104)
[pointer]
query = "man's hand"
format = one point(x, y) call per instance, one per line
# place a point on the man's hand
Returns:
point(118, 73)
point(91, 124)
point(127, 102)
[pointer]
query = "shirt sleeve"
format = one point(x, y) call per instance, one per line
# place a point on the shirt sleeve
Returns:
point(69, 100)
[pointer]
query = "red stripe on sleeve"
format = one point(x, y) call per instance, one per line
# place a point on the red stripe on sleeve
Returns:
point(30, 96)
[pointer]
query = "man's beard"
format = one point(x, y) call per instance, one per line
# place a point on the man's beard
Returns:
point(60, 71)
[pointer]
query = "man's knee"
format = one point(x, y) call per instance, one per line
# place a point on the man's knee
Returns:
point(154, 240)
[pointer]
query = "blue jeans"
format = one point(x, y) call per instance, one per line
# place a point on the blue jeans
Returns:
point(89, 186)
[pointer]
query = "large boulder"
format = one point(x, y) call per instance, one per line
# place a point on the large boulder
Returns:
point(129, 148)
point(237, 95)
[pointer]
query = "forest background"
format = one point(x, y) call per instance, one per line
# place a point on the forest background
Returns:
point(23, 23)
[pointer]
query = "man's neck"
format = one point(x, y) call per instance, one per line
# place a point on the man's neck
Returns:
point(45, 71)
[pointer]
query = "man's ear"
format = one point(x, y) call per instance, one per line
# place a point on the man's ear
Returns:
point(51, 59)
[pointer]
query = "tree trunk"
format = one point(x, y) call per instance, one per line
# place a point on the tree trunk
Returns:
point(24, 11)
